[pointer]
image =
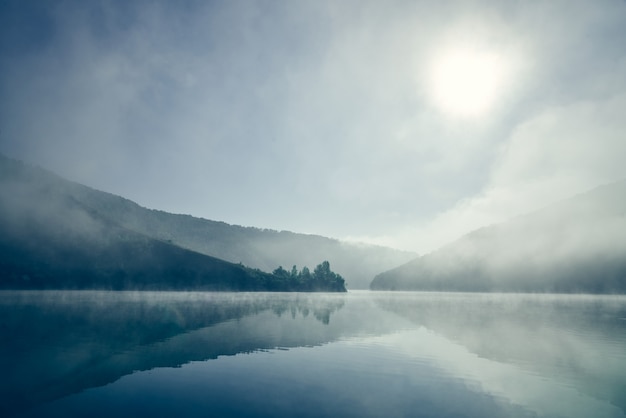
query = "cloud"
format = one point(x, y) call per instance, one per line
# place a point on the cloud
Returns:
point(561, 152)
point(564, 133)
point(314, 117)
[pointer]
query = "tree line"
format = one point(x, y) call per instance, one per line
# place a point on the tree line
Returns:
point(321, 279)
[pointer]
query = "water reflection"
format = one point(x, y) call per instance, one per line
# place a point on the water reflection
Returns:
point(575, 337)
point(559, 355)
point(360, 354)
point(58, 343)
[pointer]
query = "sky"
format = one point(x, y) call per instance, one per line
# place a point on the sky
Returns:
point(400, 123)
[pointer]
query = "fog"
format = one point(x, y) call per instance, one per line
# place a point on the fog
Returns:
point(49, 223)
point(486, 355)
point(318, 117)
point(207, 141)
point(576, 245)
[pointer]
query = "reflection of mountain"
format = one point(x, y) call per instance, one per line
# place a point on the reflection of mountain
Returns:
point(56, 226)
point(572, 337)
point(58, 343)
point(578, 245)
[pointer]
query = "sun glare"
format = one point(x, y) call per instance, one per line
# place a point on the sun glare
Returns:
point(465, 82)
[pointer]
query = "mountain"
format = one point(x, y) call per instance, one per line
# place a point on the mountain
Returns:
point(576, 245)
point(263, 249)
point(50, 238)
point(49, 223)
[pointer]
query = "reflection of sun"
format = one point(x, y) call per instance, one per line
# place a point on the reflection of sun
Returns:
point(465, 82)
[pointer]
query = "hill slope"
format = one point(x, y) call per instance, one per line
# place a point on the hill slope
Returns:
point(577, 245)
point(49, 238)
point(257, 248)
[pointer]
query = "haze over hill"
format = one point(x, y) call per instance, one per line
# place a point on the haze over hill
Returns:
point(82, 223)
point(405, 123)
point(49, 239)
point(255, 247)
point(577, 245)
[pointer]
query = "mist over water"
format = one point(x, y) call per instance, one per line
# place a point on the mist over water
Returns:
point(375, 131)
point(357, 354)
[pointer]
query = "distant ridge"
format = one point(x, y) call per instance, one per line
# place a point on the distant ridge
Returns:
point(49, 239)
point(29, 192)
point(264, 249)
point(576, 245)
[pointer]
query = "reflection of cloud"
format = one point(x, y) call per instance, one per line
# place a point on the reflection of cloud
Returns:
point(510, 340)
point(545, 396)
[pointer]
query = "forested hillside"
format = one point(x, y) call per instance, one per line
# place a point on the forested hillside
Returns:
point(254, 247)
point(51, 237)
point(577, 245)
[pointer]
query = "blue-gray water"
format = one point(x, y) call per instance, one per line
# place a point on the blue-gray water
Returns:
point(360, 354)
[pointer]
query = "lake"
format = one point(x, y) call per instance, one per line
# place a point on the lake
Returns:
point(361, 354)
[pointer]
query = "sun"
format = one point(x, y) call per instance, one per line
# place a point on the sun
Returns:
point(466, 82)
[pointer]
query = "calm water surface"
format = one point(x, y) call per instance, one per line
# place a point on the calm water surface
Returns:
point(360, 354)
